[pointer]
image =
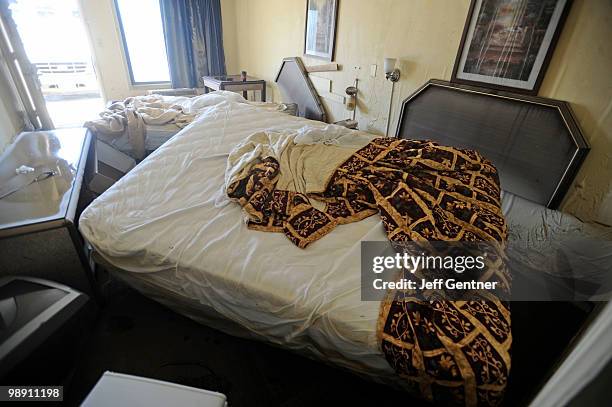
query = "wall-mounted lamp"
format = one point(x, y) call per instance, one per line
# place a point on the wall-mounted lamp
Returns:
point(391, 72)
point(351, 103)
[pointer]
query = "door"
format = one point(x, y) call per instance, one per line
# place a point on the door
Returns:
point(56, 46)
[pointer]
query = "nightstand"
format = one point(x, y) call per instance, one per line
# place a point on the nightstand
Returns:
point(234, 83)
point(40, 209)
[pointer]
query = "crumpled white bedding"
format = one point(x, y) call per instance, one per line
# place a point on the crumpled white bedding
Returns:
point(169, 230)
point(162, 117)
point(128, 118)
point(170, 216)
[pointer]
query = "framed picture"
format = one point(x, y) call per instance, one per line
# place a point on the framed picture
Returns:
point(320, 28)
point(507, 44)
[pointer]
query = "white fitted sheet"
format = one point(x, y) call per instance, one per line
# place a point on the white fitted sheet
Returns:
point(168, 223)
point(168, 229)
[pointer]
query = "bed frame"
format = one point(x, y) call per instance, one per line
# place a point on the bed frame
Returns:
point(535, 142)
point(538, 148)
point(296, 87)
point(509, 129)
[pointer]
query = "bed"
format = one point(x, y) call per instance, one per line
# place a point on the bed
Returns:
point(298, 94)
point(168, 230)
point(160, 125)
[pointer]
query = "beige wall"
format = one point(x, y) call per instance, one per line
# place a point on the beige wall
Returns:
point(425, 35)
point(580, 72)
point(109, 59)
point(230, 33)
point(269, 30)
point(111, 67)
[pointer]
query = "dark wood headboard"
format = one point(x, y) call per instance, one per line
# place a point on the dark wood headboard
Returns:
point(535, 142)
point(296, 87)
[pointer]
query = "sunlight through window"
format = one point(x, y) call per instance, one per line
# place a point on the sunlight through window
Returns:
point(143, 37)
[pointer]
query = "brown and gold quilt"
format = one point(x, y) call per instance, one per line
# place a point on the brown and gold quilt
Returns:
point(449, 352)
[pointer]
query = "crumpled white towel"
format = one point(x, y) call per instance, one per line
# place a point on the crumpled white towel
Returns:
point(131, 115)
point(330, 134)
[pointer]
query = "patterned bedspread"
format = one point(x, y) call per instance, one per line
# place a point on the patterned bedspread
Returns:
point(450, 352)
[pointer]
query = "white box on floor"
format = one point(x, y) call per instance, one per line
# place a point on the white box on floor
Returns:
point(121, 390)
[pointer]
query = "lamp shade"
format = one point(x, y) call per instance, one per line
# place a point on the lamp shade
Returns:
point(389, 64)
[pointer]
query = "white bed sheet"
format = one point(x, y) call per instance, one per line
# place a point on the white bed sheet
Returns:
point(169, 217)
point(170, 231)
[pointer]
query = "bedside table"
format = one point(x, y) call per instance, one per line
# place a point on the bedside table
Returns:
point(234, 83)
point(38, 219)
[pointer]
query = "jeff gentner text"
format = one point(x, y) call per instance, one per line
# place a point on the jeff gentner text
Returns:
point(411, 263)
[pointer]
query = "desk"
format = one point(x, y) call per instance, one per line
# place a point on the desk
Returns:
point(234, 83)
point(38, 221)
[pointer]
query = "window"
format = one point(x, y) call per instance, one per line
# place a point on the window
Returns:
point(143, 40)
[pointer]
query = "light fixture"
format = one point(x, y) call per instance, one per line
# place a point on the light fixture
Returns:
point(351, 103)
point(391, 72)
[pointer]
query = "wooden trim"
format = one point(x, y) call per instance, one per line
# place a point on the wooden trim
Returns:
point(322, 68)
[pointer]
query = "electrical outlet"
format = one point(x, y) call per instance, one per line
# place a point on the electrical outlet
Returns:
point(373, 68)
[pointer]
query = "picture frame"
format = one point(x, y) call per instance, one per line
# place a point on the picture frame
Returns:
point(507, 44)
point(320, 28)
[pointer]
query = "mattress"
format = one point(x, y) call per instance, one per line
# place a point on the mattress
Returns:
point(159, 134)
point(155, 136)
point(168, 229)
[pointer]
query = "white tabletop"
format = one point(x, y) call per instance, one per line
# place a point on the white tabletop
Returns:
point(121, 390)
point(49, 199)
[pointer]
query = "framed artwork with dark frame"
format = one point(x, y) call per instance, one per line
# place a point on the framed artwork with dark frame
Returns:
point(507, 44)
point(320, 31)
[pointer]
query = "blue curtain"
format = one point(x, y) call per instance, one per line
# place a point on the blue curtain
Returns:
point(194, 40)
